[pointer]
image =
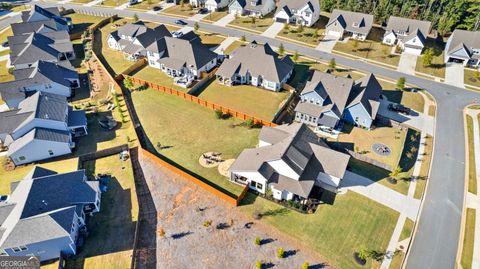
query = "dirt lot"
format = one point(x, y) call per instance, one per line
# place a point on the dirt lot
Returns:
point(183, 208)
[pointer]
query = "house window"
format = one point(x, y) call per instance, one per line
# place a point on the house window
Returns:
point(259, 186)
point(22, 158)
point(3, 253)
point(50, 152)
point(388, 40)
point(20, 248)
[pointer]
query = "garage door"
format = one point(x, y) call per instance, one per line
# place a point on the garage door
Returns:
point(414, 51)
point(282, 20)
point(334, 33)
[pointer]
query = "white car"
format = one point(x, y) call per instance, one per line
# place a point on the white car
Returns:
point(177, 34)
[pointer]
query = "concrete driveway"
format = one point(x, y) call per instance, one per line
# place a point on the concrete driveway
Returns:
point(273, 30)
point(225, 20)
point(327, 43)
point(417, 120)
point(407, 63)
point(454, 74)
point(225, 44)
point(198, 17)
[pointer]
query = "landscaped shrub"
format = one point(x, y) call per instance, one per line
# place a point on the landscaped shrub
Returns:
point(305, 265)
point(258, 241)
point(249, 123)
point(259, 265)
point(218, 114)
point(207, 223)
point(161, 232)
point(280, 253)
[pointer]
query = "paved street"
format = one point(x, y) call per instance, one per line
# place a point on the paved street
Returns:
point(435, 243)
point(407, 63)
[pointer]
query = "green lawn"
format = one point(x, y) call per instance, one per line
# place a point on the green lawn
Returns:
point(259, 26)
point(468, 239)
point(235, 45)
point(6, 32)
point(407, 229)
point(472, 173)
point(307, 35)
point(424, 169)
point(114, 59)
point(112, 3)
point(211, 39)
point(245, 98)
point(186, 130)
point(61, 166)
point(178, 10)
point(111, 231)
point(82, 21)
point(82, 1)
point(215, 16)
point(437, 68)
point(413, 100)
point(369, 49)
point(334, 231)
point(4, 75)
point(397, 260)
point(156, 76)
point(146, 5)
point(472, 77)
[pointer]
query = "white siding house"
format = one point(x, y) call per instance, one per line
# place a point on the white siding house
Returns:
point(303, 12)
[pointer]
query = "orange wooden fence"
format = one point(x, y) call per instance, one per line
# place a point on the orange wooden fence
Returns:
point(199, 101)
point(231, 200)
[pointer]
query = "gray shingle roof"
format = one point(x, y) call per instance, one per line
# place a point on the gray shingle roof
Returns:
point(50, 13)
point(259, 4)
point(31, 27)
point(367, 91)
point(348, 18)
point(464, 39)
point(408, 26)
point(10, 120)
point(289, 5)
point(296, 145)
point(258, 60)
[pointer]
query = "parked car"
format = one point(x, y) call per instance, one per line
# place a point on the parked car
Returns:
point(177, 34)
point(157, 8)
point(170, 1)
point(4, 198)
point(202, 11)
point(5, 44)
point(180, 22)
point(399, 108)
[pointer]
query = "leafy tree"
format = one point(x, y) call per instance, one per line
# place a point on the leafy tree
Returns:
point(280, 253)
point(315, 34)
point(395, 173)
point(243, 38)
point(295, 56)
point(218, 114)
point(258, 241)
point(300, 28)
point(401, 83)
point(332, 64)
point(305, 265)
point(259, 264)
point(135, 17)
point(196, 26)
point(281, 49)
point(182, 3)
point(128, 83)
point(427, 57)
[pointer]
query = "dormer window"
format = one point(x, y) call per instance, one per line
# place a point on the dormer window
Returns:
point(254, 2)
point(356, 24)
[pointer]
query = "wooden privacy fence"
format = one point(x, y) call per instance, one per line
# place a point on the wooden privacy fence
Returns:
point(199, 101)
point(231, 200)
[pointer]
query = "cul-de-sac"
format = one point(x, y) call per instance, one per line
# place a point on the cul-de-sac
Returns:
point(241, 134)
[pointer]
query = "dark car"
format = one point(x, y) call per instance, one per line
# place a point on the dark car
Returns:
point(5, 44)
point(170, 1)
point(399, 108)
point(180, 22)
point(202, 11)
point(157, 8)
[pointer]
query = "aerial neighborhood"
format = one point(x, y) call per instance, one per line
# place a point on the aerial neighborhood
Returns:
point(151, 134)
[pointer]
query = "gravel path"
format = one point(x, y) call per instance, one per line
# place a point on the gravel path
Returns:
point(182, 209)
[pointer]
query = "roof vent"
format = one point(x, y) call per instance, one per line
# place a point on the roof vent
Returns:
point(46, 116)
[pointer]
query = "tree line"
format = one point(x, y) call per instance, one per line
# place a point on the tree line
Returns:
point(445, 15)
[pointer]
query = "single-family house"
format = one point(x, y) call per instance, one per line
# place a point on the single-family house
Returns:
point(42, 127)
point(197, 3)
point(463, 47)
point(181, 58)
point(45, 214)
point(253, 8)
point(304, 12)
point(38, 13)
point(289, 160)
point(347, 23)
point(328, 100)
point(257, 65)
point(409, 34)
point(46, 26)
point(42, 76)
point(27, 49)
point(134, 38)
point(214, 5)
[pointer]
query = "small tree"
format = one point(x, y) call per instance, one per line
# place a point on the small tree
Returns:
point(259, 264)
point(280, 253)
point(286, 27)
point(128, 83)
point(332, 64)
point(396, 172)
point(305, 265)
point(111, 20)
point(182, 3)
point(190, 7)
point(243, 38)
point(363, 253)
point(218, 114)
point(249, 123)
point(196, 26)
point(315, 34)
point(254, 20)
point(401, 83)
point(300, 28)
point(135, 17)
point(258, 241)
point(281, 49)
point(295, 56)
point(427, 57)
point(355, 44)
point(207, 223)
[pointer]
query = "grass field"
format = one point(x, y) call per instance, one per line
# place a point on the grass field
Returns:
point(407, 229)
point(156, 76)
point(6, 32)
point(397, 260)
point(472, 77)
point(468, 239)
point(424, 169)
point(7, 177)
point(111, 231)
point(82, 1)
point(185, 131)
point(472, 181)
point(368, 49)
point(82, 21)
point(178, 10)
point(146, 5)
point(306, 36)
point(112, 3)
point(334, 231)
point(437, 68)
point(259, 26)
point(4, 75)
point(214, 16)
point(235, 45)
point(248, 99)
